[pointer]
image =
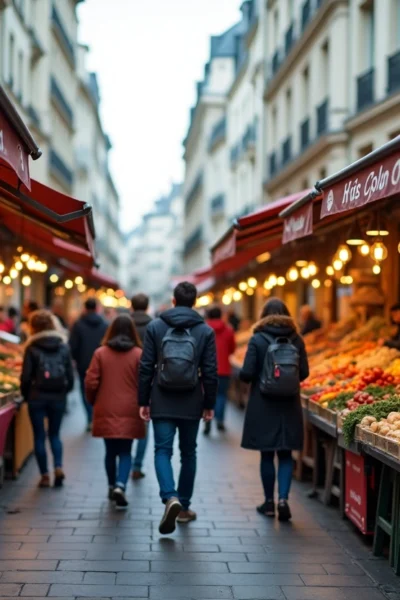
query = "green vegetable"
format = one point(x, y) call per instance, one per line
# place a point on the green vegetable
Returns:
point(378, 391)
point(380, 410)
point(339, 403)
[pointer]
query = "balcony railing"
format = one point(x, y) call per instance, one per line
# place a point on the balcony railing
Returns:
point(249, 137)
point(218, 133)
point(322, 118)
point(273, 164)
point(61, 102)
point(305, 14)
point(394, 72)
point(59, 167)
point(194, 190)
point(305, 133)
point(365, 89)
point(218, 205)
point(276, 63)
point(193, 241)
point(289, 39)
point(62, 35)
point(287, 150)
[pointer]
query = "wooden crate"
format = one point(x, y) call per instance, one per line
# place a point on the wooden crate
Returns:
point(393, 448)
point(365, 436)
point(323, 413)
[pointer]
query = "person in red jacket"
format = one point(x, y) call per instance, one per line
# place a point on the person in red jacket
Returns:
point(226, 345)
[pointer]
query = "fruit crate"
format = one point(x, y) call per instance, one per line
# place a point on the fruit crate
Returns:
point(365, 436)
point(324, 413)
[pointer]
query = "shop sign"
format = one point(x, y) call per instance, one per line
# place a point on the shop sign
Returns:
point(225, 250)
point(13, 152)
point(356, 491)
point(299, 224)
point(373, 183)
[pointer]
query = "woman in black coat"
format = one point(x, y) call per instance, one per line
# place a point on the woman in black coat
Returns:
point(273, 424)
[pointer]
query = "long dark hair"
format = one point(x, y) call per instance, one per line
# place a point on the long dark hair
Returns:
point(273, 307)
point(122, 326)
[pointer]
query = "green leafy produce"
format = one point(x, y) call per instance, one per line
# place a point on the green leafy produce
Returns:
point(380, 410)
point(339, 403)
point(378, 391)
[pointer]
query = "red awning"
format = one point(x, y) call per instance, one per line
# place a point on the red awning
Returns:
point(96, 276)
point(16, 142)
point(254, 234)
point(26, 213)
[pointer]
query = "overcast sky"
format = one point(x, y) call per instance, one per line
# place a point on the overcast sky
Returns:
point(148, 54)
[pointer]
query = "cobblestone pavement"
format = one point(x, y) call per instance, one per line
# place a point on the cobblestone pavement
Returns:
point(71, 544)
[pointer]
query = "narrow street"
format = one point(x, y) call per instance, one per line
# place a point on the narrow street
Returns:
point(72, 544)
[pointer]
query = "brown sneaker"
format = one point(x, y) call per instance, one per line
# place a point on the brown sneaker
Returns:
point(136, 475)
point(185, 516)
point(44, 481)
point(168, 522)
point(59, 477)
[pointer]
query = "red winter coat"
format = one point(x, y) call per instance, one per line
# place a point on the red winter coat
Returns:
point(112, 388)
point(226, 345)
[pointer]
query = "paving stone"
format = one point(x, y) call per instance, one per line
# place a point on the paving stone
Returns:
point(254, 592)
point(338, 580)
point(18, 554)
point(61, 554)
point(332, 593)
point(28, 565)
point(42, 577)
point(343, 569)
point(297, 558)
point(280, 567)
point(188, 566)
point(35, 590)
point(167, 558)
point(105, 565)
point(185, 592)
point(99, 591)
point(9, 589)
point(218, 579)
point(100, 578)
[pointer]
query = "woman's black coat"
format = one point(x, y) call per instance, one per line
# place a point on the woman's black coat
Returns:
point(272, 423)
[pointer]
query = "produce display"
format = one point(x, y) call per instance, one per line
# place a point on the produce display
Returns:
point(382, 417)
point(10, 368)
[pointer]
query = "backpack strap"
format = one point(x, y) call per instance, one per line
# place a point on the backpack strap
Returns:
point(270, 339)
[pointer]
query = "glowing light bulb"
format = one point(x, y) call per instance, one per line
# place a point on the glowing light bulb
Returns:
point(237, 295)
point(316, 283)
point(2, 268)
point(14, 273)
point(243, 286)
point(54, 278)
point(330, 270)
point(31, 264)
point(312, 269)
point(344, 253)
point(292, 274)
point(305, 273)
point(7, 280)
point(18, 265)
point(26, 280)
point(301, 263)
point(69, 284)
point(337, 264)
point(79, 280)
point(364, 249)
point(272, 280)
point(379, 251)
point(25, 257)
point(281, 281)
point(376, 269)
point(250, 291)
point(252, 282)
point(328, 283)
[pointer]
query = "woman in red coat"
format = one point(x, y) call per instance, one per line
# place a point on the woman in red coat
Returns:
point(111, 387)
point(226, 345)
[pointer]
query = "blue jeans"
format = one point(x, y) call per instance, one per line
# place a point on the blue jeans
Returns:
point(54, 411)
point(285, 473)
point(222, 395)
point(140, 452)
point(121, 449)
point(88, 407)
point(164, 434)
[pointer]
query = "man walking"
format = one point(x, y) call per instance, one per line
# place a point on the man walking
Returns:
point(140, 305)
point(177, 387)
point(225, 340)
point(86, 336)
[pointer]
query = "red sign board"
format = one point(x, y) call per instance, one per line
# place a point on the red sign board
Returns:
point(299, 224)
point(373, 183)
point(13, 152)
point(356, 491)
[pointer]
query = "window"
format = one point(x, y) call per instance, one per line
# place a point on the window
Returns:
point(276, 28)
point(274, 126)
point(20, 89)
point(364, 150)
point(289, 111)
point(306, 91)
point(368, 33)
point(394, 134)
point(291, 10)
point(325, 69)
point(11, 52)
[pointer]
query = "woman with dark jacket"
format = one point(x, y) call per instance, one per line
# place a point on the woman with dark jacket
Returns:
point(111, 386)
point(273, 424)
point(47, 377)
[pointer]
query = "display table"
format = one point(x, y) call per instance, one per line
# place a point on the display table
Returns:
point(23, 439)
point(7, 413)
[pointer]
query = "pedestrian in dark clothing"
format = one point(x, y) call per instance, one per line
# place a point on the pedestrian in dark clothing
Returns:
point(86, 336)
point(226, 345)
point(140, 306)
point(394, 341)
point(233, 320)
point(309, 322)
point(112, 388)
point(178, 386)
point(273, 424)
point(47, 377)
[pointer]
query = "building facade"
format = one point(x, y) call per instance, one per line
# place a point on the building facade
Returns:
point(154, 250)
point(316, 86)
point(42, 67)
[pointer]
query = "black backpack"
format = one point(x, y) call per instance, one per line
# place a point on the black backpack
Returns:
point(51, 375)
point(280, 375)
point(178, 366)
